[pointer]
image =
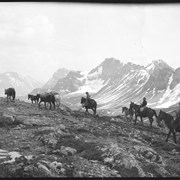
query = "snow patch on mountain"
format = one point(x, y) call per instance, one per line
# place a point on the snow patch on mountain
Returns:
point(168, 91)
point(84, 73)
point(170, 96)
point(144, 76)
point(96, 73)
point(150, 67)
point(92, 86)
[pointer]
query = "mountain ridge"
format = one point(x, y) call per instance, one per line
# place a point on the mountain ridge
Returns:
point(114, 84)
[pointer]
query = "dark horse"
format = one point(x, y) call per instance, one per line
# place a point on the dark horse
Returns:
point(10, 92)
point(90, 105)
point(147, 112)
point(33, 98)
point(47, 97)
point(171, 124)
point(127, 112)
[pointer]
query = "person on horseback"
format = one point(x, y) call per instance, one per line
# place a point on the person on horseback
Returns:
point(179, 110)
point(143, 105)
point(88, 96)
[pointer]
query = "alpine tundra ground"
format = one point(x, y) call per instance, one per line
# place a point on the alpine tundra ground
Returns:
point(64, 143)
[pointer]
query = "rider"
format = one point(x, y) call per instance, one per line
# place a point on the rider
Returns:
point(178, 113)
point(143, 105)
point(179, 109)
point(177, 117)
point(87, 99)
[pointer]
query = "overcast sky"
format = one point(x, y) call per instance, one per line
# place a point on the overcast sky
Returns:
point(38, 38)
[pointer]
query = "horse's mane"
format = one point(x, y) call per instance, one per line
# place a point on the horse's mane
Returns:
point(136, 105)
point(124, 107)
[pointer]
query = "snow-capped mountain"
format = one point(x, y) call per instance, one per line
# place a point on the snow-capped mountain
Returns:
point(114, 84)
point(22, 84)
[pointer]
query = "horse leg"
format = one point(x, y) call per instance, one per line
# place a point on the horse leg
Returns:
point(135, 119)
point(39, 103)
point(54, 105)
point(86, 111)
point(59, 103)
point(132, 117)
point(151, 121)
point(142, 120)
point(94, 110)
point(168, 135)
point(174, 135)
point(8, 97)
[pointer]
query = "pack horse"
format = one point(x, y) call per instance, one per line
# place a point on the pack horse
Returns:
point(10, 92)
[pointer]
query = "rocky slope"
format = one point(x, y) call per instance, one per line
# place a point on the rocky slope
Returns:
point(64, 143)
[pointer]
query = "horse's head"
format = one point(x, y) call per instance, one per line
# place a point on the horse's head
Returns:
point(83, 100)
point(131, 106)
point(122, 109)
point(29, 96)
point(160, 118)
point(38, 96)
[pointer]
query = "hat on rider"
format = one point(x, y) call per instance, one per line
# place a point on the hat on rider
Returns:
point(144, 98)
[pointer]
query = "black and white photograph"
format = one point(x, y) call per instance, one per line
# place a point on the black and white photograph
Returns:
point(89, 90)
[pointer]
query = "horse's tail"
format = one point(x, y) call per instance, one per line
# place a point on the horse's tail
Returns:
point(14, 96)
point(58, 99)
point(95, 107)
point(155, 113)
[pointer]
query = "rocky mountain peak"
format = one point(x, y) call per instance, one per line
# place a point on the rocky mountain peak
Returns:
point(108, 64)
point(111, 60)
point(158, 65)
point(59, 74)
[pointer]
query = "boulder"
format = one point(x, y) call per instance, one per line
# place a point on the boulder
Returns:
point(132, 164)
point(7, 119)
point(56, 169)
point(162, 172)
point(48, 139)
point(87, 120)
point(11, 109)
point(43, 169)
point(68, 150)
